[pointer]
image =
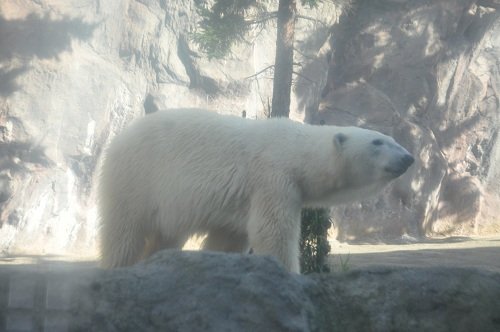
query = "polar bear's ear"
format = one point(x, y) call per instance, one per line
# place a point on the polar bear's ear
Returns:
point(339, 139)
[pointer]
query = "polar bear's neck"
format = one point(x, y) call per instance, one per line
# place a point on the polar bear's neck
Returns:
point(306, 156)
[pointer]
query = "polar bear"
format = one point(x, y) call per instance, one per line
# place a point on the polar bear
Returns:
point(177, 173)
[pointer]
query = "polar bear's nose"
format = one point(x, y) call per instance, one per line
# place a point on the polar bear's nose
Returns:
point(398, 167)
point(407, 161)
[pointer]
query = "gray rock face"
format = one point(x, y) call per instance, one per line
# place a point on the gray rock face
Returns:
point(64, 92)
point(213, 292)
point(202, 291)
point(430, 299)
point(423, 72)
point(182, 291)
point(73, 74)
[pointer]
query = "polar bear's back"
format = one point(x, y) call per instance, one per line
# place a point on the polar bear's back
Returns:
point(178, 137)
point(172, 161)
point(192, 127)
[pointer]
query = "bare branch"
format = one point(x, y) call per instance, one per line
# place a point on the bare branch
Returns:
point(310, 57)
point(263, 19)
point(312, 19)
point(304, 77)
point(260, 72)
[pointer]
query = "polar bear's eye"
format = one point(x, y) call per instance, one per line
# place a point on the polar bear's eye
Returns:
point(377, 142)
point(340, 138)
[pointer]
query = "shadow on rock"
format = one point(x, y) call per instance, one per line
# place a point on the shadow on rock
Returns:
point(35, 36)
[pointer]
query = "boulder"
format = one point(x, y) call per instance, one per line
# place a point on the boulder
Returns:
point(204, 291)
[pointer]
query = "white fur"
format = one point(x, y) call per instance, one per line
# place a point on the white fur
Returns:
point(174, 174)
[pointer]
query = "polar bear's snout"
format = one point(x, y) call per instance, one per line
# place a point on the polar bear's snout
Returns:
point(399, 166)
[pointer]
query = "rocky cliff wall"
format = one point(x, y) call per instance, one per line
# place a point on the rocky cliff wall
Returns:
point(427, 73)
point(73, 74)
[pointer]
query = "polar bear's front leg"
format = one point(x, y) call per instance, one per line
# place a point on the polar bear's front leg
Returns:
point(274, 229)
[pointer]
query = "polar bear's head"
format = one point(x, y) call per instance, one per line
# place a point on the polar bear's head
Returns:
point(364, 162)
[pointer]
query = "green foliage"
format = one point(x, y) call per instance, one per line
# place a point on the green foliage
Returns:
point(314, 240)
point(221, 26)
point(227, 22)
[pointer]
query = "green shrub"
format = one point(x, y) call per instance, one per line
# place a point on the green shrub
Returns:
point(314, 244)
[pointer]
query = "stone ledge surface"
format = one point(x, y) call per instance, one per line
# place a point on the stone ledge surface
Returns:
point(203, 291)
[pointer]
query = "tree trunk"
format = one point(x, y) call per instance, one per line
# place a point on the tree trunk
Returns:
point(283, 64)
